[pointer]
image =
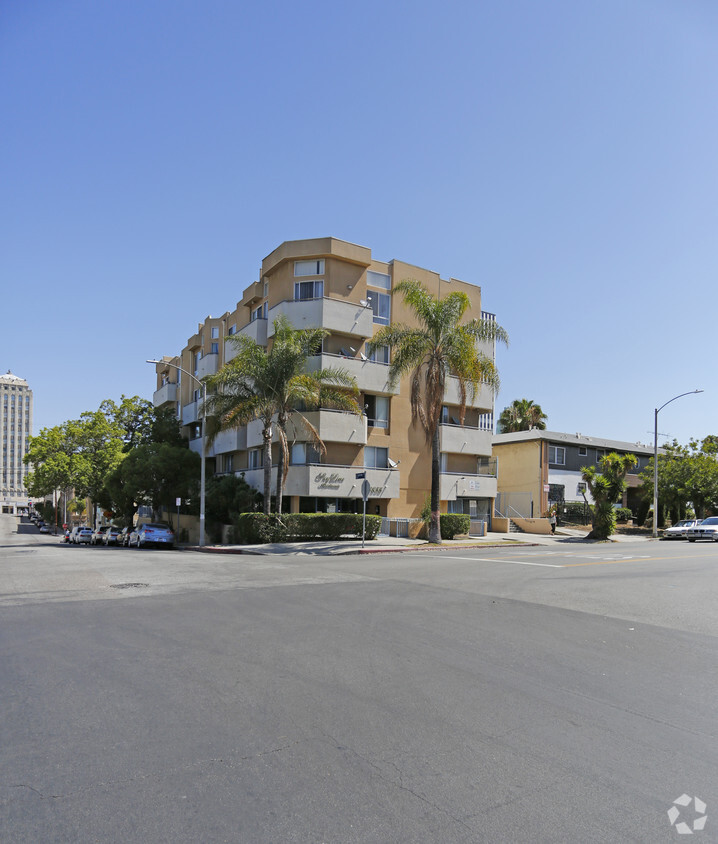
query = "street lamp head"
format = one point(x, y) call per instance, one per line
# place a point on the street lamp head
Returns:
point(152, 360)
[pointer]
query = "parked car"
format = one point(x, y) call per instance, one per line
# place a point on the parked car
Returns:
point(83, 535)
point(44, 529)
point(707, 529)
point(98, 535)
point(152, 533)
point(111, 535)
point(123, 537)
point(678, 530)
point(73, 534)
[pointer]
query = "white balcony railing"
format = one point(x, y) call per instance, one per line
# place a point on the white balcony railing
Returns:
point(207, 365)
point(371, 377)
point(484, 398)
point(189, 413)
point(333, 314)
point(165, 394)
point(256, 330)
point(325, 481)
point(332, 426)
point(459, 439)
point(453, 486)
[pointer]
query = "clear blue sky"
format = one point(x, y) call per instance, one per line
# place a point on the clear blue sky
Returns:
point(562, 155)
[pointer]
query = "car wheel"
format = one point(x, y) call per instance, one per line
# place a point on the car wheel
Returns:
point(691, 539)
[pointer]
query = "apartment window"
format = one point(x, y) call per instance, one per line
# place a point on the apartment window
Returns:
point(197, 359)
point(380, 305)
point(315, 267)
point(375, 457)
point(377, 411)
point(303, 453)
point(378, 280)
point(380, 355)
point(215, 348)
point(599, 456)
point(255, 458)
point(308, 290)
point(443, 462)
point(266, 288)
point(582, 451)
point(557, 455)
point(581, 488)
point(215, 333)
point(232, 330)
point(197, 395)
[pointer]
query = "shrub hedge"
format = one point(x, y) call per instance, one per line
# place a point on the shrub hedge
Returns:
point(256, 528)
point(452, 524)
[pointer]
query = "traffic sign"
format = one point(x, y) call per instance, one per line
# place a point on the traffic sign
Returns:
point(365, 489)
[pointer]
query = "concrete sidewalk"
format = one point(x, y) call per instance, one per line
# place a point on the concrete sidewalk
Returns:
point(391, 544)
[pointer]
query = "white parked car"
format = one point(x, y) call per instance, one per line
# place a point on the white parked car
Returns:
point(707, 529)
point(83, 535)
point(678, 530)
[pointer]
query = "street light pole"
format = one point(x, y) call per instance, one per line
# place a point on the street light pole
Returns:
point(655, 456)
point(204, 441)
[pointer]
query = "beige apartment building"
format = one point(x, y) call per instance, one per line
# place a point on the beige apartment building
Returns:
point(339, 286)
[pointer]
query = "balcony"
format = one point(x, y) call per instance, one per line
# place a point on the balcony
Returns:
point(332, 426)
point(371, 377)
point(207, 365)
point(165, 395)
point(325, 481)
point(333, 314)
point(189, 413)
point(234, 439)
point(256, 330)
point(453, 486)
point(484, 399)
point(461, 439)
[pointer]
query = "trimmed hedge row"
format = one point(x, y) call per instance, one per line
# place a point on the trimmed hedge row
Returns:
point(452, 524)
point(255, 528)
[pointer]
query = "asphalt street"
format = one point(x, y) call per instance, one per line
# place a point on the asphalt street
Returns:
point(563, 693)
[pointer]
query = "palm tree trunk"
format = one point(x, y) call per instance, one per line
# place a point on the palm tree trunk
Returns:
point(267, 466)
point(434, 525)
point(281, 426)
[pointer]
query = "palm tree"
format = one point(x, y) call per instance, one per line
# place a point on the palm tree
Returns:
point(437, 347)
point(521, 415)
point(273, 386)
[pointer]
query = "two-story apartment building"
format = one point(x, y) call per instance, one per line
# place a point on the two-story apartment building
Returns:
point(339, 286)
point(539, 468)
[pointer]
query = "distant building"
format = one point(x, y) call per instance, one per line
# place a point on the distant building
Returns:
point(16, 398)
point(537, 469)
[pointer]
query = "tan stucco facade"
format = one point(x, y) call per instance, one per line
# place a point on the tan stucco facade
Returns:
point(341, 287)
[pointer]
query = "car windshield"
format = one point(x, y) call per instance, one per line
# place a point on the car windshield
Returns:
point(156, 527)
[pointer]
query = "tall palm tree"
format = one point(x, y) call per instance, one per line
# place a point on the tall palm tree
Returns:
point(272, 386)
point(522, 415)
point(438, 346)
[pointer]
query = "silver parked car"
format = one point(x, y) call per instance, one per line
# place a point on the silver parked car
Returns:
point(98, 535)
point(707, 529)
point(83, 535)
point(678, 530)
point(109, 537)
point(152, 533)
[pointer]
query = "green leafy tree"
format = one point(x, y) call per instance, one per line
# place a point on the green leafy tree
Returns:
point(521, 415)
point(607, 487)
point(687, 475)
point(439, 345)
point(134, 418)
point(273, 386)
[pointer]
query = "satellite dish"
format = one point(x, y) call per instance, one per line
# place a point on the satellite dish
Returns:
point(392, 463)
point(363, 303)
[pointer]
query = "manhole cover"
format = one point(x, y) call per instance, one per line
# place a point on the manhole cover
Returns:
point(128, 585)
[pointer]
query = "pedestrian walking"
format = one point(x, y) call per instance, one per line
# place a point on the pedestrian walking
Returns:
point(553, 521)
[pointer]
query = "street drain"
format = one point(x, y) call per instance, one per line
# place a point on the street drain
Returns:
point(128, 585)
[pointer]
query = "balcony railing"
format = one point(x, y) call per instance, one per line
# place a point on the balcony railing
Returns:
point(484, 398)
point(463, 439)
point(166, 394)
point(371, 377)
point(331, 425)
point(463, 485)
point(334, 314)
point(256, 330)
point(207, 365)
point(330, 481)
